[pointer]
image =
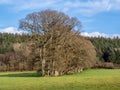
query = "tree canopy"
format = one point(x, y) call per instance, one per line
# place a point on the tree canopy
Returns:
point(58, 40)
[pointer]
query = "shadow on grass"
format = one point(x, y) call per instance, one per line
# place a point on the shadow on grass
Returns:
point(21, 75)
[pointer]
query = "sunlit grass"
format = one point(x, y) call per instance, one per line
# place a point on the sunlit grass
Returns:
point(88, 80)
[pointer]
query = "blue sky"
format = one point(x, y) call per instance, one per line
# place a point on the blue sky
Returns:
point(98, 17)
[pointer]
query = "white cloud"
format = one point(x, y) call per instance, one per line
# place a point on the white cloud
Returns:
point(87, 7)
point(35, 4)
point(94, 34)
point(7, 1)
point(98, 34)
point(77, 6)
point(3, 1)
point(21, 5)
point(11, 30)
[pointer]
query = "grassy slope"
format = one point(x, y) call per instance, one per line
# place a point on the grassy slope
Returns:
point(87, 80)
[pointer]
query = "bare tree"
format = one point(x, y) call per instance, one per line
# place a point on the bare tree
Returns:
point(47, 26)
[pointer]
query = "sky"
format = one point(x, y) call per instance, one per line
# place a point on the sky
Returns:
point(98, 17)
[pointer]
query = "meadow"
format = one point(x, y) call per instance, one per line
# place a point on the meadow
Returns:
point(95, 79)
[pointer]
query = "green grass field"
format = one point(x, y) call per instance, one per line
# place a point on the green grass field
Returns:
point(88, 80)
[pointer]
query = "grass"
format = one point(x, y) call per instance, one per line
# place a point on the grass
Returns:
point(88, 80)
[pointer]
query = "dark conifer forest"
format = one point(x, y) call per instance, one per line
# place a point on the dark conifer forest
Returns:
point(108, 49)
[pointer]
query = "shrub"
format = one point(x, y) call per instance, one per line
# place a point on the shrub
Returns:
point(107, 65)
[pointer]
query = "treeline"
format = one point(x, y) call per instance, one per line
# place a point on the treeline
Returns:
point(9, 59)
point(7, 40)
point(22, 54)
point(108, 49)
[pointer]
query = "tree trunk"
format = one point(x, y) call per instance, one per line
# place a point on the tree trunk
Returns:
point(43, 61)
point(43, 67)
